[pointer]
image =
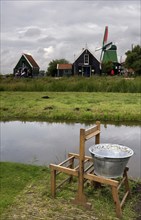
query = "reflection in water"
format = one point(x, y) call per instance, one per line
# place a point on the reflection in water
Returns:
point(43, 143)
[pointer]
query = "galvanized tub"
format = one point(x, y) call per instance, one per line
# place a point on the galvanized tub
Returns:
point(110, 159)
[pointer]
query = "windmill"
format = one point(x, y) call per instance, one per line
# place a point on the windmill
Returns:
point(108, 50)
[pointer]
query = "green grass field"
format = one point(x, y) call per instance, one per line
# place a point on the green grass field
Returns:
point(25, 194)
point(14, 177)
point(70, 106)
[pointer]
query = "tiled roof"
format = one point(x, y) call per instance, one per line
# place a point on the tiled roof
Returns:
point(30, 59)
point(65, 66)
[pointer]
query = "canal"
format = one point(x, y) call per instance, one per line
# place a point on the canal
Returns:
point(42, 143)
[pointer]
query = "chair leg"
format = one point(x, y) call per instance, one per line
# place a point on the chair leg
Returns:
point(53, 182)
point(71, 166)
point(116, 201)
point(126, 182)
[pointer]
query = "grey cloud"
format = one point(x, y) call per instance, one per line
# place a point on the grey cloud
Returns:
point(16, 43)
point(46, 39)
point(64, 27)
point(40, 50)
point(31, 32)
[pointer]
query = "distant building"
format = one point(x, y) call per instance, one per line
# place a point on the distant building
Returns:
point(26, 67)
point(110, 55)
point(64, 69)
point(86, 64)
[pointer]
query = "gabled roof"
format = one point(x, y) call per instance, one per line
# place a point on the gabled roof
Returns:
point(83, 51)
point(65, 66)
point(31, 61)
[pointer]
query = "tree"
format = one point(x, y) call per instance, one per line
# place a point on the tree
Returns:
point(133, 59)
point(52, 67)
point(107, 67)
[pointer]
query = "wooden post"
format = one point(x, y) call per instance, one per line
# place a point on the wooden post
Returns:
point(80, 197)
point(72, 167)
point(81, 166)
point(97, 141)
point(116, 201)
point(53, 182)
point(97, 138)
point(126, 182)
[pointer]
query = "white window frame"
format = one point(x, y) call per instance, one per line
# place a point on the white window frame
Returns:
point(86, 59)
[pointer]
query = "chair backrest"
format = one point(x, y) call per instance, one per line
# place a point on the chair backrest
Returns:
point(86, 134)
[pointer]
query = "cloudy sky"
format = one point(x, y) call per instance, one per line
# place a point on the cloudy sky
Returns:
point(60, 29)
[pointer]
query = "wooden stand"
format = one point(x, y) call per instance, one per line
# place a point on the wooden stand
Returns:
point(85, 171)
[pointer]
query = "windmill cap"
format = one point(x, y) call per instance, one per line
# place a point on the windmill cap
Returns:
point(113, 47)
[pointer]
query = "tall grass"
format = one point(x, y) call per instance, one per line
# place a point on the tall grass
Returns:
point(75, 84)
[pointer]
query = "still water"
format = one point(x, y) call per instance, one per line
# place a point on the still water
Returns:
point(43, 143)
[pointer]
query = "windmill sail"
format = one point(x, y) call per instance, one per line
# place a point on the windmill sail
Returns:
point(104, 45)
point(108, 50)
point(105, 38)
point(107, 46)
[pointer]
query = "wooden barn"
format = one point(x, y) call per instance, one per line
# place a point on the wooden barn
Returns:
point(64, 69)
point(26, 67)
point(86, 64)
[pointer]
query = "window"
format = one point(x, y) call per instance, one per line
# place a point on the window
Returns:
point(86, 59)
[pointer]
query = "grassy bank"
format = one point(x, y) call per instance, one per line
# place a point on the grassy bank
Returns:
point(25, 194)
point(14, 177)
point(70, 106)
point(73, 84)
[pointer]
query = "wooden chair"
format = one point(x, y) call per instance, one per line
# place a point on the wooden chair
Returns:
point(67, 166)
point(85, 172)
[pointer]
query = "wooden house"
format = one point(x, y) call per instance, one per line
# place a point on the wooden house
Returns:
point(64, 69)
point(26, 67)
point(86, 64)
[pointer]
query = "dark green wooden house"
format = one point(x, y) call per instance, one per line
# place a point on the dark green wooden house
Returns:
point(26, 67)
point(86, 64)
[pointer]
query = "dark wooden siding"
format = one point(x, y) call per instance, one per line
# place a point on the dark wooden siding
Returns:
point(23, 63)
point(67, 72)
point(79, 65)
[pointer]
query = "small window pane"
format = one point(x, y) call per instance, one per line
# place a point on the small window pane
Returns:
point(86, 59)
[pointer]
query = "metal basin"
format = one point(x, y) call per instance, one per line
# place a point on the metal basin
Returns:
point(110, 159)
